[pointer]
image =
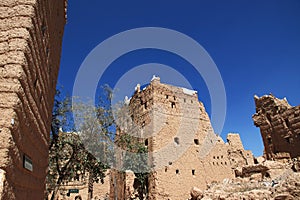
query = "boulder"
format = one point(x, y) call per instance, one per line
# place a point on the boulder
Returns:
point(284, 197)
point(196, 193)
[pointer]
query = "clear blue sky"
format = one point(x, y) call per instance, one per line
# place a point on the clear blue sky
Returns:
point(255, 45)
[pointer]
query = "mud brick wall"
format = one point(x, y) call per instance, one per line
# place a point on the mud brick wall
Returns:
point(279, 125)
point(30, 45)
point(169, 118)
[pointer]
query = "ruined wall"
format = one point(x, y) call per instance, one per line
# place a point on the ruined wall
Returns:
point(30, 45)
point(183, 149)
point(279, 125)
point(100, 190)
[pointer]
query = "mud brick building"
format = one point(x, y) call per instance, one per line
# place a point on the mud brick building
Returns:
point(30, 45)
point(279, 123)
point(183, 149)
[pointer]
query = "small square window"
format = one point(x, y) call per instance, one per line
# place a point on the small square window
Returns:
point(196, 141)
point(177, 171)
point(193, 172)
point(172, 104)
point(176, 140)
point(269, 140)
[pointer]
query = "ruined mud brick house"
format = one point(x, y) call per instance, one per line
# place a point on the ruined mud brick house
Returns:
point(183, 149)
point(80, 187)
point(279, 123)
point(30, 45)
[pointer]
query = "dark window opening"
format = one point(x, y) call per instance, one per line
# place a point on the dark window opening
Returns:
point(176, 140)
point(225, 163)
point(269, 140)
point(167, 96)
point(174, 98)
point(287, 122)
point(267, 175)
point(146, 142)
point(173, 104)
point(184, 100)
point(217, 157)
point(193, 172)
point(170, 163)
point(141, 101)
point(196, 141)
point(191, 101)
point(213, 163)
point(145, 105)
point(268, 117)
point(44, 28)
point(137, 183)
point(47, 51)
point(166, 169)
point(35, 82)
point(177, 171)
point(214, 157)
point(288, 140)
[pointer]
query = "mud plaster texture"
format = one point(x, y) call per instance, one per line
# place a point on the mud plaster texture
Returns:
point(279, 124)
point(183, 149)
point(30, 45)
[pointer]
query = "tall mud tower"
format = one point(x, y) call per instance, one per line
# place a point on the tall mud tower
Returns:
point(30, 46)
point(182, 147)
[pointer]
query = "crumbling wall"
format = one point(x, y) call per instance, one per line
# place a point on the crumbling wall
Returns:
point(122, 184)
point(279, 125)
point(30, 45)
point(183, 149)
point(100, 190)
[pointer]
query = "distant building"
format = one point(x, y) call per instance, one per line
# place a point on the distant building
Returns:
point(279, 125)
point(183, 149)
point(80, 187)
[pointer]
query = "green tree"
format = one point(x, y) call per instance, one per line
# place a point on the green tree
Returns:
point(77, 151)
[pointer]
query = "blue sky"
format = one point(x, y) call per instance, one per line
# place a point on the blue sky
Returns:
point(255, 45)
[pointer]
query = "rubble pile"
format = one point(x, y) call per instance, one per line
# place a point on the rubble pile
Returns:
point(276, 180)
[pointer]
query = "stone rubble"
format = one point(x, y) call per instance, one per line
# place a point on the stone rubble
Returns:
point(269, 180)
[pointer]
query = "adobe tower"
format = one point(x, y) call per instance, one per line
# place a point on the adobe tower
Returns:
point(183, 149)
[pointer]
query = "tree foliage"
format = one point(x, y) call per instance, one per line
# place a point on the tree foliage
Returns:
point(82, 148)
point(70, 157)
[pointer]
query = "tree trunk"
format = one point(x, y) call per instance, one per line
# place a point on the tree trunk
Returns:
point(90, 186)
point(54, 193)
